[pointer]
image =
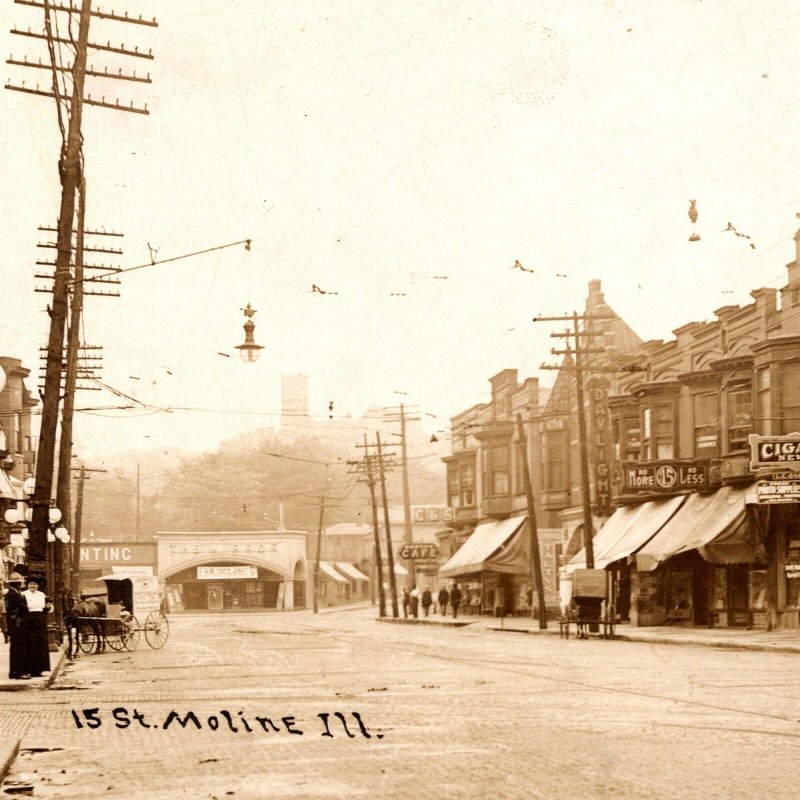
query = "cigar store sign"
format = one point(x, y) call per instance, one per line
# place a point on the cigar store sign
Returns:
point(775, 451)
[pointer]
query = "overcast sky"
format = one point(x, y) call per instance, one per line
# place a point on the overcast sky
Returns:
point(371, 147)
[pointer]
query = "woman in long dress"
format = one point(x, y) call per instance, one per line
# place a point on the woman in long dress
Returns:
point(38, 651)
point(16, 612)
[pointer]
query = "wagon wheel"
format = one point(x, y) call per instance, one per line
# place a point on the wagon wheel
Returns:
point(115, 635)
point(132, 634)
point(87, 637)
point(156, 629)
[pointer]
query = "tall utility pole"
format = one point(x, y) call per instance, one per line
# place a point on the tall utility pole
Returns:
point(319, 554)
point(580, 351)
point(536, 556)
point(69, 169)
point(366, 468)
point(408, 534)
point(389, 551)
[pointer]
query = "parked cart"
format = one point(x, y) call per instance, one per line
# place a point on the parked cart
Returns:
point(590, 609)
point(127, 600)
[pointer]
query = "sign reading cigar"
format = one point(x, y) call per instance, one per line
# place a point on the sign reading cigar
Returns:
point(774, 451)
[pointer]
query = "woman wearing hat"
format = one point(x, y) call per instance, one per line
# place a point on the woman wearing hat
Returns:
point(16, 611)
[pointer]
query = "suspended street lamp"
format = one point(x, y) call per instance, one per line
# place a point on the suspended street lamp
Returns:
point(249, 351)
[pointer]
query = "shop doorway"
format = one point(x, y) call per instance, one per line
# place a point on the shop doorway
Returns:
point(738, 596)
point(214, 597)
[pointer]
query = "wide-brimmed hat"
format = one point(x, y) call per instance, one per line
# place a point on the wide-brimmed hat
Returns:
point(15, 577)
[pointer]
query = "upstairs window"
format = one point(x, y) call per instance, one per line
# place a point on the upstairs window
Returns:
point(764, 401)
point(706, 424)
point(790, 397)
point(740, 415)
point(555, 461)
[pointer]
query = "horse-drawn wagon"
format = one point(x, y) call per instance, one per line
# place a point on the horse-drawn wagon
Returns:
point(112, 617)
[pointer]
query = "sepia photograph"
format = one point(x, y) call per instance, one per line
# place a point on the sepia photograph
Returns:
point(400, 399)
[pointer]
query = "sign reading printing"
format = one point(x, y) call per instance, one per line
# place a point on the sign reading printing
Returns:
point(774, 451)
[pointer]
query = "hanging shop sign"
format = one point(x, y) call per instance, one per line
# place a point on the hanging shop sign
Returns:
point(643, 477)
point(601, 447)
point(432, 513)
point(781, 491)
point(774, 451)
point(419, 551)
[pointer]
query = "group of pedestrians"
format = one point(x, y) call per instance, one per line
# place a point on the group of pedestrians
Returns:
point(414, 599)
point(24, 624)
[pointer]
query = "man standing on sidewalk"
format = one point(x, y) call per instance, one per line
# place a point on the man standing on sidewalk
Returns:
point(444, 599)
point(16, 611)
point(455, 599)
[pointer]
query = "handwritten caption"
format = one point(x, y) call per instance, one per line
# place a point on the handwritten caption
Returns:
point(332, 725)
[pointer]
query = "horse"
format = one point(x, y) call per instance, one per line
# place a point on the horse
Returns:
point(77, 610)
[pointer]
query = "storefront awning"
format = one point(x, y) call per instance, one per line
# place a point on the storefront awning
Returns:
point(616, 526)
point(492, 546)
point(6, 489)
point(327, 570)
point(702, 519)
point(350, 571)
point(399, 569)
point(654, 515)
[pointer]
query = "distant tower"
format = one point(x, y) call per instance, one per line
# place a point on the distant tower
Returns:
point(294, 401)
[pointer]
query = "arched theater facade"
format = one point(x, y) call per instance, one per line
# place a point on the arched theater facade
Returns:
point(233, 570)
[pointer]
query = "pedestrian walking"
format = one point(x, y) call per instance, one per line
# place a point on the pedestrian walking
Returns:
point(415, 601)
point(35, 628)
point(16, 611)
point(444, 599)
point(406, 601)
point(427, 599)
point(455, 599)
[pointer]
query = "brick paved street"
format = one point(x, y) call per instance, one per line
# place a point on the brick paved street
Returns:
point(450, 713)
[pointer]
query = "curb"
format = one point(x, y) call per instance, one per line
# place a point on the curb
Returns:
point(411, 621)
point(689, 642)
point(8, 758)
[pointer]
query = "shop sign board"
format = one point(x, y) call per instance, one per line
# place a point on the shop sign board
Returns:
point(792, 570)
point(227, 573)
point(782, 491)
point(664, 476)
point(774, 451)
point(419, 551)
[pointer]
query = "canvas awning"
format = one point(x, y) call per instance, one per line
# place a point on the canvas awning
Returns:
point(6, 489)
point(399, 569)
point(616, 526)
point(654, 515)
point(702, 520)
point(327, 570)
point(350, 571)
point(495, 546)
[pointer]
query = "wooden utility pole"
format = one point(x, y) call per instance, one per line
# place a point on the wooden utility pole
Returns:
point(536, 559)
point(389, 551)
point(75, 561)
point(366, 468)
point(408, 534)
point(69, 169)
point(580, 351)
point(319, 554)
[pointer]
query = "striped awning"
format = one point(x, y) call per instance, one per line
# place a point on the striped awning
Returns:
point(327, 570)
point(350, 571)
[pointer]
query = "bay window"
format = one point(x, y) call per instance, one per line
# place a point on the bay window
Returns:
point(705, 407)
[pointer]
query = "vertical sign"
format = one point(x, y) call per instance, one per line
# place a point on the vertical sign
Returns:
point(600, 447)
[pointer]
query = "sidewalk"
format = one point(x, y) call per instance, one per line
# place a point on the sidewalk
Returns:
point(7, 685)
point(783, 641)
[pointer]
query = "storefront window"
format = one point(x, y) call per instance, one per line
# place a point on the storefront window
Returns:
point(790, 397)
point(792, 568)
point(719, 590)
point(555, 473)
point(706, 424)
point(764, 401)
point(740, 415)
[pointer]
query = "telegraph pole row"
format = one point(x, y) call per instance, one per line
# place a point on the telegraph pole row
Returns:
point(75, 559)
point(373, 468)
point(70, 168)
